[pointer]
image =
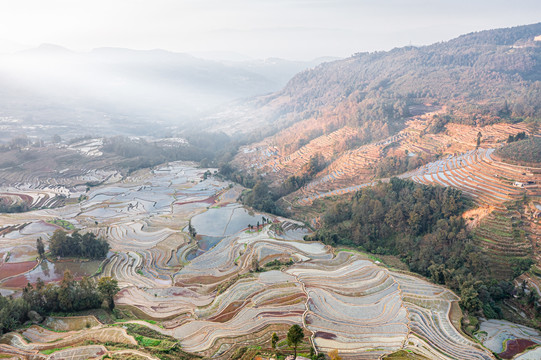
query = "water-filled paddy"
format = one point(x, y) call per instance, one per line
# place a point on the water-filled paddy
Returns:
point(348, 302)
point(49, 271)
point(204, 244)
point(225, 221)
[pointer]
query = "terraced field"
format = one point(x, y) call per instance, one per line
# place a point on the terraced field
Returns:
point(37, 342)
point(218, 292)
point(501, 238)
point(507, 339)
point(476, 173)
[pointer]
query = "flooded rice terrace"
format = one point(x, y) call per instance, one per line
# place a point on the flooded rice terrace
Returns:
point(135, 215)
point(235, 282)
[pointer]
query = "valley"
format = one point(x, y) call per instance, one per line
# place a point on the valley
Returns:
point(388, 205)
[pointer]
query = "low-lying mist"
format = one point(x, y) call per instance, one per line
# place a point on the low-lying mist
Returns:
point(110, 91)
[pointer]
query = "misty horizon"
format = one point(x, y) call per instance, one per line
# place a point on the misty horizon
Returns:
point(298, 30)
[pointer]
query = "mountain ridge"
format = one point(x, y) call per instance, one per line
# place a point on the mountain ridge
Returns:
point(456, 73)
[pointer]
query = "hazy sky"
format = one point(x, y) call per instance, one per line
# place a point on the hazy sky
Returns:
point(295, 29)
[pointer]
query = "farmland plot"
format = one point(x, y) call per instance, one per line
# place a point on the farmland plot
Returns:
point(216, 292)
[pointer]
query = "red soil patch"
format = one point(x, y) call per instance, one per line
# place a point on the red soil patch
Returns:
point(228, 313)
point(325, 335)
point(514, 347)
point(12, 269)
point(16, 282)
point(285, 300)
point(26, 198)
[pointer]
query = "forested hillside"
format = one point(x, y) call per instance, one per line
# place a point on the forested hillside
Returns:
point(481, 78)
point(401, 108)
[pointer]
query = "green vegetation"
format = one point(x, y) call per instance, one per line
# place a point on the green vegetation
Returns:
point(191, 230)
point(40, 247)
point(520, 136)
point(66, 297)
point(395, 165)
point(208, 148)
point(50, 351)
point(239, 353)
point(528, 151)
point(277, 264)
point(422, 225)
point(63, 223)
point(108, 287)
point(262, 198)
point(274, 341)
point(83, 246)
point(293, 183)
point(160, 345)
point(294, 337)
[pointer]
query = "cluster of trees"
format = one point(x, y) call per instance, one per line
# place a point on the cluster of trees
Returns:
point(422, 225)
point(84, 246)
point(8, 206)
point(191, 230)
point(437, 124)
point(68, 296)
point(520, 136)
point(394, 165)
point(264, 221)
point(295, 182)
point(377, 215)
point(294, 338)
point(261, 198)
point(264, 198)
point(211, 149)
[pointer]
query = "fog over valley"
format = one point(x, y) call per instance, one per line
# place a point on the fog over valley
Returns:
point(270, 180)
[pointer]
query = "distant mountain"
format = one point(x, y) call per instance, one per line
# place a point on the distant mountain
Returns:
point(115, 90)
point(480, 78)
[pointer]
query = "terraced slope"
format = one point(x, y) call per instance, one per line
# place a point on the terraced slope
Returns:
point(476, 173)
point(501, 238)
point(207, 294)
point(346, 169)
point(344, 301)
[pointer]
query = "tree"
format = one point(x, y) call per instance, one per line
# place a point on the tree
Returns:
point(191, 229)
point(40, 247)
point(333, 354)
point(294, 337)
point(274, 341)
point(479, 135)
point(108, 287)
point(470, 299)
point(255, 264)
point(86, 246)
point(66, 293)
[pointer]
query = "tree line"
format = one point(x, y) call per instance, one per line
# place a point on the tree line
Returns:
point(86, 245)
point(68, 296)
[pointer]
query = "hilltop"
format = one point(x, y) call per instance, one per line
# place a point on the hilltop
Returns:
point(480, 77)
